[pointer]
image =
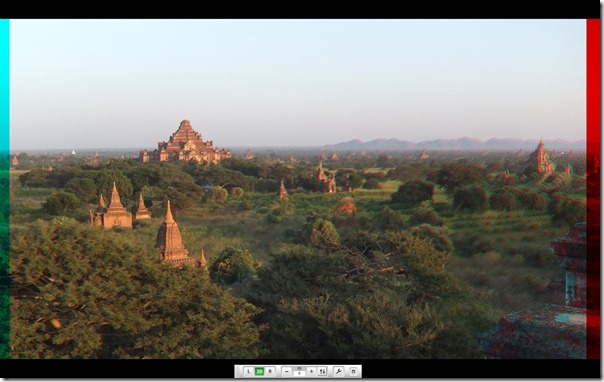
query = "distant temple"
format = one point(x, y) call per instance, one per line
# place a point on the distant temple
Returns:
point(423, 154)
point(114, 215)
point(333, 156)
point(282, 193)
point(248, 154)
point(141, 211)
point(326, 178)
point(169, 240)
point(185, 145)
point(544, 164)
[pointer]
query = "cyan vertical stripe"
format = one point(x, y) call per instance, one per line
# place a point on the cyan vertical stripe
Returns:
point(4, 190)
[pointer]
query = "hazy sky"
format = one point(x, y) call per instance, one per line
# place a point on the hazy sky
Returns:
point(129, 83)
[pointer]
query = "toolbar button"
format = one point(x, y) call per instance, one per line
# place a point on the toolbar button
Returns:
point(248, 372)
point(286, 372)
point(338, 372)
point(322, 371)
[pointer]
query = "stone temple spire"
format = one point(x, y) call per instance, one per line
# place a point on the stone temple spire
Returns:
point(115, 201)
point(282, 193)
point(102, 204)
point(141, 211)
point(169, 240)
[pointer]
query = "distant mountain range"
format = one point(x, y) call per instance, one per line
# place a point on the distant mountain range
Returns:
point(494, 144)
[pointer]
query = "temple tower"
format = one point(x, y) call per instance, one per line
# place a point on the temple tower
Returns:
point(141, 211)
point(169, 240)
point(544, 166)
point(320, 173)
point(282, 193)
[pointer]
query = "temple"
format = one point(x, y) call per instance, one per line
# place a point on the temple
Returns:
point(184, 145)
point(542, 156)
point(282, 193)
point(169, 240)
point(326, 178)
point(141, 211)
point(114, 215)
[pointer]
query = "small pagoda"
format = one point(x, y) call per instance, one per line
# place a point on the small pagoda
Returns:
point(169, 240)
point(282, 193)
point(114, 215)
point(141, 211)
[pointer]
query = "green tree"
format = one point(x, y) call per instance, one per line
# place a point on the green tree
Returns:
point(236, 192)
point(233, 265)
point(80, 292)
point(388, 219)
point(59, 176)
point(322, 233)
point(566, 210)
point(355, 180)
point(84, 188)
point(425, 214)
point(61, 202)
point(34, 178)
point(405, 173)
point(372, 184)
point(531, 199)
point(412, 193)
point(104, 180)
point(216, 195)
point(472, 198)
point(452, 176)
point(144, 176)
point(502, 200)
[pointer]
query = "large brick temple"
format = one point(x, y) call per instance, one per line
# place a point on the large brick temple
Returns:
point(184, 145)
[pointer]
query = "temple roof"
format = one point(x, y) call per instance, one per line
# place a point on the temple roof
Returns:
point(115, 201)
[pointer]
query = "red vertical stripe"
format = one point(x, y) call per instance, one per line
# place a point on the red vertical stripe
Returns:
point(593, 187)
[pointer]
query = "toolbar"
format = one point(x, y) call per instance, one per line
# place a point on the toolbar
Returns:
point(298, 371)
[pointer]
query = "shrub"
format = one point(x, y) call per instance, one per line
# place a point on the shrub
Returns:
point(61, 202)
point(84, 188)
point(266, 185)
point(372, 184)
point(388, 219)
point(216, 195)
point(566, 210)
point(34, 178)
point(502, 200)
point(236, 192)
point(531, 199)
point(472, 198)
point(412, 193)
point(346, 206)
point(425, 215)
point(322, 233)
point(233, 265)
